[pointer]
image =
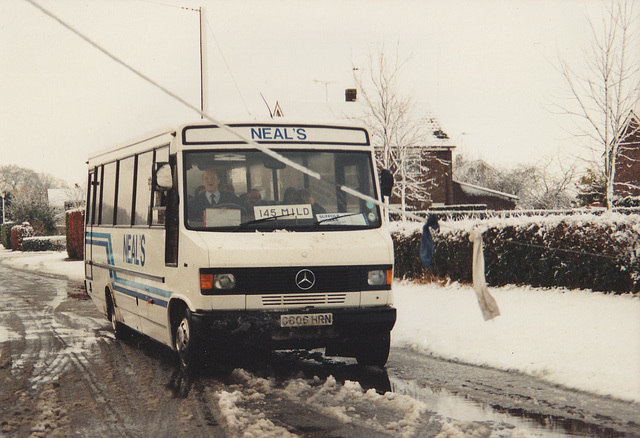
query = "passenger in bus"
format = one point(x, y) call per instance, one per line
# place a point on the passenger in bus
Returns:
point(211, 196)
point(228, 188)
point(291, 196)
point(252, 198)
point(306, 197)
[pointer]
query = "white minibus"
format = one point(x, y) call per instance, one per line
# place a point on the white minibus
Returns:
point(205, 240)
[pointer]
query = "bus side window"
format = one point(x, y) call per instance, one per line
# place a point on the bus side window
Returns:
point(143, 189)
point(108, 193)
point(125, 195)
point(91, 198)
point(159, 207)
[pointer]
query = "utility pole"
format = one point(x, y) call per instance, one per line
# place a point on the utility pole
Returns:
point(203, 65)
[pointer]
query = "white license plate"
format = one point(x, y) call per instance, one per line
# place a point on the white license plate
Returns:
point(307, 319)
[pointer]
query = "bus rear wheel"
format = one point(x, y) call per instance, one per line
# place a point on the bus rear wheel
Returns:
point(119, 329)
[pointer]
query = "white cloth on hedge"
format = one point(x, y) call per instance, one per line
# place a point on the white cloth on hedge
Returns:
point(487, 303)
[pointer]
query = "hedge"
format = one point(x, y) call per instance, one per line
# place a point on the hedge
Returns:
point(601, 253)
point(75, 234)
point(5, 234)
point(44, 243)
point(18, 233)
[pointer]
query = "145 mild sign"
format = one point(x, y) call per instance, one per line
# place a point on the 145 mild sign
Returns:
point(298, 211)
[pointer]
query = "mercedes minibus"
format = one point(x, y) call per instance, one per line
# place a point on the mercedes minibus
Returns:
point(212, 238)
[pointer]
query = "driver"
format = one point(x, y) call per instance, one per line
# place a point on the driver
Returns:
point(211, 196)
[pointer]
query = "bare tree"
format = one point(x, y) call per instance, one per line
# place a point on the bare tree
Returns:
point(602, 98)
point(390, 117)
point(550, 184)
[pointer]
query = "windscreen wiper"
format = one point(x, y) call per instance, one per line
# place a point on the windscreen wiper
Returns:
point(264, 219)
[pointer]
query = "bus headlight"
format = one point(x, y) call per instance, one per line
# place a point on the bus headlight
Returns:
point(379, 277)
point(224, 281)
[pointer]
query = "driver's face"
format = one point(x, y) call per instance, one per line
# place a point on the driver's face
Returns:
point(210, 181)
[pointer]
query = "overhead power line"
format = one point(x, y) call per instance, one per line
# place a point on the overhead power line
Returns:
point(220, 124)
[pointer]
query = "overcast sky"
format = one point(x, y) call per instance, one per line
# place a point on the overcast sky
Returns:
point(485, 68)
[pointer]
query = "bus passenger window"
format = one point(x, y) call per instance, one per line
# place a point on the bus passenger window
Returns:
point(143, 189)
point(159, 207)
point(125, 194)
point(158, 211)
point(108, 193)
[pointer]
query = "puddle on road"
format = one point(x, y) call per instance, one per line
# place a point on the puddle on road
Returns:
point(460, 409)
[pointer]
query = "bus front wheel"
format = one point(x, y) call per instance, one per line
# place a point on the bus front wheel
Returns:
point(185, 342)
point(374, 349)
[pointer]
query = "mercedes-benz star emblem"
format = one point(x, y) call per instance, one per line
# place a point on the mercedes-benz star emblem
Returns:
point(305, 279)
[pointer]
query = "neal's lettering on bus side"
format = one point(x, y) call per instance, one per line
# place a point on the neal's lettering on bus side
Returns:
point(133, 251)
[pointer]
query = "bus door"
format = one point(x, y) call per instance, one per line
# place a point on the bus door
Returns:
point(161, 245)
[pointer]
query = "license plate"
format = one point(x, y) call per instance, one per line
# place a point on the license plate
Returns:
point(307, 319)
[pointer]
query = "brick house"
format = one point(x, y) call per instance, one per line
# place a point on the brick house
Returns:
point(431, 168)
point(627, 177)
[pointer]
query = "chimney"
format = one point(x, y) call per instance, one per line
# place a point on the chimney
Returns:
point(350, 95)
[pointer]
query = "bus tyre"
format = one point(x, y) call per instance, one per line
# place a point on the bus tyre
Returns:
point(185, 343)
point(119, 329)
point(374, 349)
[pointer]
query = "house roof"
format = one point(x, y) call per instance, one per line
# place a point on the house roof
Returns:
point(355, 113)
point(631, 124)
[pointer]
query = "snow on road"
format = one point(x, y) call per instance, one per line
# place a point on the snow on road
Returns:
point(579, 339)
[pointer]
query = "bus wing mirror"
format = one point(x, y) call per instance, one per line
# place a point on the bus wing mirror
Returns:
point(386, 182)
point(163, 180)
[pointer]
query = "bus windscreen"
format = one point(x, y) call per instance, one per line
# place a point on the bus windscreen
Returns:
point(237, 190)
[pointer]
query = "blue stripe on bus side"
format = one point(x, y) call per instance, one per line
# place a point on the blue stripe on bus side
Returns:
point(119, 283)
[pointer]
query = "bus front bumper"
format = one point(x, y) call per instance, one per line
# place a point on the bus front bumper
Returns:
point(294, 329)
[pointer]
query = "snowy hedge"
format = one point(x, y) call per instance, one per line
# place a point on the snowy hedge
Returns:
point(585, 251)
point(5, 233)
point(18, 233)
point(43, 243)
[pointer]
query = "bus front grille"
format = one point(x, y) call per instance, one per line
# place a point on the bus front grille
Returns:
point(303, 299)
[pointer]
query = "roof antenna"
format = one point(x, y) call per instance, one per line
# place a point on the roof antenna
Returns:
point(265, 102)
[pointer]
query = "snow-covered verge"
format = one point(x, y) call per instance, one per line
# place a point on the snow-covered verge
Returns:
point(579, 339)
point(48, 262)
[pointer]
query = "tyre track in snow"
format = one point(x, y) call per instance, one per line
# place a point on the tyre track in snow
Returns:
point(53, 344)
point(65, 368)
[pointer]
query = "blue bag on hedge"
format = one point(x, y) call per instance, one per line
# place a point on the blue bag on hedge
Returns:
point(426, 244)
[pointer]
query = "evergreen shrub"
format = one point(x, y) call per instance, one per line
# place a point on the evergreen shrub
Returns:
point(591, 252)
point(5, 234)
point(18, 233)
point(75, 234)
point(43, 243)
